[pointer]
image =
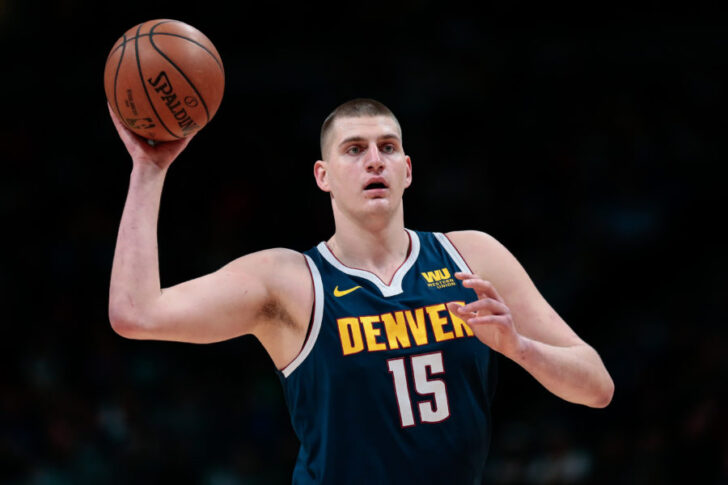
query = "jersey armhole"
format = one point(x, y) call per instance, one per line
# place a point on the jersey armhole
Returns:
point(316, 316)
point(453, 252)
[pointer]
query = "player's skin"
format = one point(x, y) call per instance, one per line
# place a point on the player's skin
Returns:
point(269, 293)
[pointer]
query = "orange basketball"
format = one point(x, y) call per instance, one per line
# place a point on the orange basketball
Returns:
point(164, 79)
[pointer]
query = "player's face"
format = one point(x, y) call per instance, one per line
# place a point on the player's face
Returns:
point(365, 164)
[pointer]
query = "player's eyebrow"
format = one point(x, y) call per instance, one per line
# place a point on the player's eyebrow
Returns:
point(355, 138)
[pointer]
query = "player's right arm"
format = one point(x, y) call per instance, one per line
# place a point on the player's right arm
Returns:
point(266, 293)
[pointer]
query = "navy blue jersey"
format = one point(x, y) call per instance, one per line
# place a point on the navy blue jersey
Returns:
point(390, 387)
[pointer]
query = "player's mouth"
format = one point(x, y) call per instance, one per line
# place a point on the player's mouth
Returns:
point(376, 187)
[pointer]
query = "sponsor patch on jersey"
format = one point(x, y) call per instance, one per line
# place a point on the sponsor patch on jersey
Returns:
point(439, 278)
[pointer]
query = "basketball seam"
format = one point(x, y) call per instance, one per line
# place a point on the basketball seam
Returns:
point(146, 92)
point(214, 57)
point(204, 105)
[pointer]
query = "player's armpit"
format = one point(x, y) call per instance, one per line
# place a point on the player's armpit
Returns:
point(249, 295)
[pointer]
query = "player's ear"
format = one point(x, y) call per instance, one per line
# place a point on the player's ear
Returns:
point(320, 173)
point(408, 179)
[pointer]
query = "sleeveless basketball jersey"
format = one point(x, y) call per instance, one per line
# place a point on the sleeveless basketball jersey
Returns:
point(390, 387)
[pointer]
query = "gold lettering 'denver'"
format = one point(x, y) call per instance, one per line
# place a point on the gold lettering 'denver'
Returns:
point(400, 329)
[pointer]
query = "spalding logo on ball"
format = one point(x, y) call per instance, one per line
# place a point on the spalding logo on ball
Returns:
point(164, 79)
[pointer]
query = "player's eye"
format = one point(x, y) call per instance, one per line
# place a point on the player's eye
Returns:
point(353, 150)
point(389, 148)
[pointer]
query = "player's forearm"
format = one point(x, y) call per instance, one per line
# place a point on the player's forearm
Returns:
point(574, 373)
point(135, 279)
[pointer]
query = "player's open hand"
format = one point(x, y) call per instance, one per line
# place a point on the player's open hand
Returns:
point(160, 154)
point(489, 317)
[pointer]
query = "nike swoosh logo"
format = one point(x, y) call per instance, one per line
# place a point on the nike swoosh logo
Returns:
point(338, 293)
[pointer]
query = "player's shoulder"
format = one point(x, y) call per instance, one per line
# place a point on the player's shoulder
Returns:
point(274, 263)
point(272, 255)
point(281, 256)
point(482, 251)
point(472, 240)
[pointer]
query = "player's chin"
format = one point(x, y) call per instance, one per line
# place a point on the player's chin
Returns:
point(379, 201)
point(377, 205)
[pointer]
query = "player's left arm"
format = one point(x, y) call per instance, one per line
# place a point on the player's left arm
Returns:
point(512, 317)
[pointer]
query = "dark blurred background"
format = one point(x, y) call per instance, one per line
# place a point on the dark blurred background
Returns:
point(589, 140)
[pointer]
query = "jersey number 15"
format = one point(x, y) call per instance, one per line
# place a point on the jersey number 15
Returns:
point(430, 410)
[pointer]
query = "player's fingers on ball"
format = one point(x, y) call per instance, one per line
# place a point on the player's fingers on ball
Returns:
point(120, 126)
point(124, 132)
point(114, 117)
point(493, 306)
point(186, 140)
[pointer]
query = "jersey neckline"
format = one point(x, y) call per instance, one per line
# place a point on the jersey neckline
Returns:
point(395, 286)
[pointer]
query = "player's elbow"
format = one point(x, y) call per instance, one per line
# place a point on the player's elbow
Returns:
point(603, 394)
point(126, 322)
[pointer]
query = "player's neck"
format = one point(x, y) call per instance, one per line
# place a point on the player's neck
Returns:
point(376, 247)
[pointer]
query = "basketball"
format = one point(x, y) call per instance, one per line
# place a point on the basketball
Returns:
point(164, 79)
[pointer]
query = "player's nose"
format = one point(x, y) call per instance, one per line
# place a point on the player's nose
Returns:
point(373, 160)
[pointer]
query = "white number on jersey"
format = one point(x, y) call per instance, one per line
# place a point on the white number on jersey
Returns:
point(429, 411)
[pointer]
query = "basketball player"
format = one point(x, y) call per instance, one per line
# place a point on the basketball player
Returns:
point(384, 337)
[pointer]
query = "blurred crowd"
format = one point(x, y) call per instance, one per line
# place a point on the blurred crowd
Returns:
point(593, 157)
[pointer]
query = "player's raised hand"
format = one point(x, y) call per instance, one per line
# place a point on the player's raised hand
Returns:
point(489, 317)
point(161, 154)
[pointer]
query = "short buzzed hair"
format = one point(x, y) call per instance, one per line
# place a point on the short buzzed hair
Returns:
point(354, 108)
